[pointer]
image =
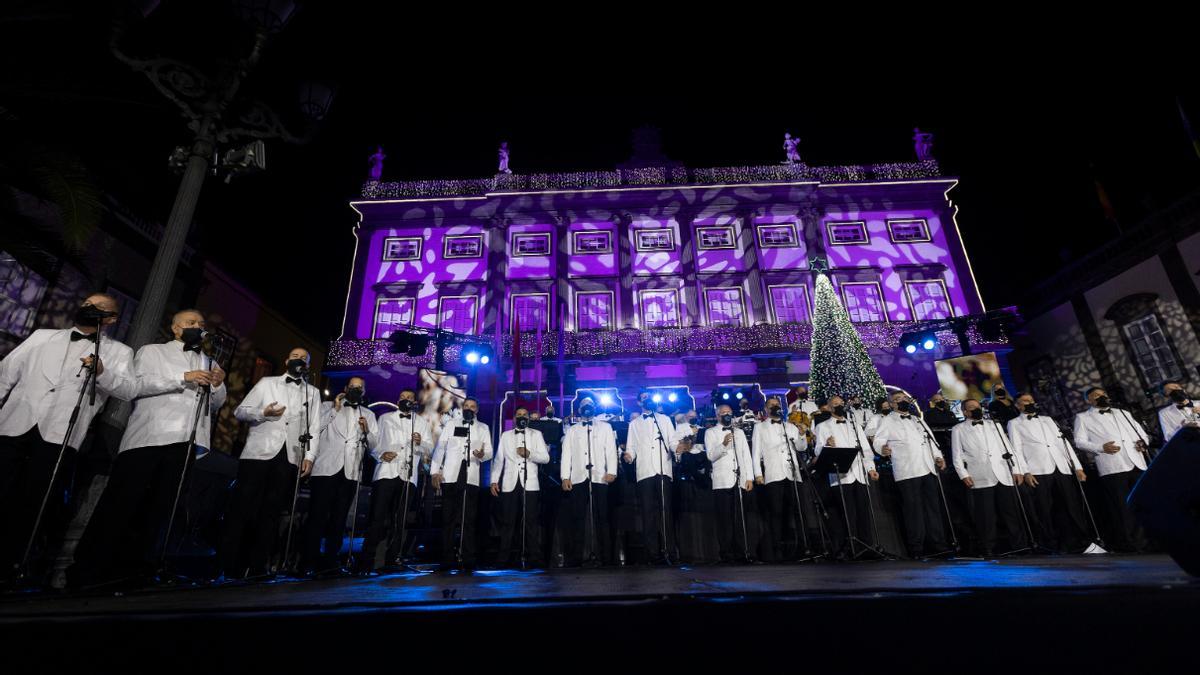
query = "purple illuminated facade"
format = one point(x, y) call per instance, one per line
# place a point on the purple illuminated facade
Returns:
point(656, 277)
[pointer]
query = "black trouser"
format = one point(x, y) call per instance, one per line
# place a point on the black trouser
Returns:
point(581, 523)
point(782, 502)
point(992, 503)
point(262, 492)
point(328, 505)
point(659, 545)
point(511, 504)
point(26, 462)
point(731, 537)
point(856, 511)
point(922, 511)
point(1058, 504)
point(122, 537)
point(454, 517)
point(1117, 487)
point(387, 510)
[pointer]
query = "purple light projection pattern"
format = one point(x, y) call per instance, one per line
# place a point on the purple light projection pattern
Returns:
point(780, 338)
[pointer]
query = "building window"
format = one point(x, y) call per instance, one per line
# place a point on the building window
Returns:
point(912, 231)
point(391, 315)
point(846, 233)
point(594, 310)
point(928, 299)
point(463, 246)
point(864, 301)
point(662, 239)
point(660, 309)
point(402, 248)
point(1151, 353)
point(456, 313)
point(530, 311)
point(724, 306)
point(21, 291)
point(790, 303)
point(593, 242)
point(710, 238)
point(537, 243)
point(777, 236)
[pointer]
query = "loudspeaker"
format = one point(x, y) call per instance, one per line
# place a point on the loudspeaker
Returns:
point(1166, 500)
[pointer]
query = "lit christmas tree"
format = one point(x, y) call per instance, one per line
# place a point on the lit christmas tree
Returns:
point(840, 362)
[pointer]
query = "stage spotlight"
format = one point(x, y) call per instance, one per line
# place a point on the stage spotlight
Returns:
point(918, 340)
point(472, 357)
point(725, 396)
point(673, 397)
point(929, 344)
point(485, 359)
point(657, 398)
point(606, 399)
point(738, 395)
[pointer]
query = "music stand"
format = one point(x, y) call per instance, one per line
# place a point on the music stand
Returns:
point(839, 461)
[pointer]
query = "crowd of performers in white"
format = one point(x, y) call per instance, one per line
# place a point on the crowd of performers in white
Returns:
point(798, 480)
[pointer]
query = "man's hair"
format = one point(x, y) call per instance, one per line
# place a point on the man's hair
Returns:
point(103, 294)
point(470, 398)
point(411, 391)
point(1169, 382)
point(176, 315)
point(519, 409)
point(1088, 393)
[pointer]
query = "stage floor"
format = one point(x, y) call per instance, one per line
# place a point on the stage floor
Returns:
point(541, 588)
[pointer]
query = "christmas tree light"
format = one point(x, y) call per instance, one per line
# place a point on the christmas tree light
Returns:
point(840, 364)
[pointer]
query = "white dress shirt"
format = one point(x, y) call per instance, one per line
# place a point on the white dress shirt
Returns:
point(774, 458)
point(978, 450)
point(575, 452)
point(846, 434)
point(395, 435)
point(450, 451)
point(40, 379)
point(342, 448)
point(1093, 429)
point(166, 405)
point(807, 406)
point(873, 423)
point(269, 434)
point(1039, 444)
point(913, 451)
point(728, 460)
point(643, 445)
point(1172, 418)
point(510, 469)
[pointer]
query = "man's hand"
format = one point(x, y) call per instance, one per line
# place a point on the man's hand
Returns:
point(759, 480)
point(198, 377)
point(628, 458)
point(610, 477)
point(436, 479)
point(478, 453)
point(1019, 479)
point(830, 442)
point(566, 485)
point(521, 452)
point(1141, 447)
point(388, 456)
point(362, 423)
point(1031, 480)
point(728, 439)
point(939, 463)
point(416, 438)
point(1112, 448)
point(337, 401)
point(306, 468)
point(749, 485)
point(87, 363)
point(873, 474)
point(495, 489)
point(886, 451)
point(273, 409)
point(216, 375)
point(1080, 475)
point(969, 482)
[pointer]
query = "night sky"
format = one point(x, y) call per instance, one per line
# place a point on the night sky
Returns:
point(1027, 136)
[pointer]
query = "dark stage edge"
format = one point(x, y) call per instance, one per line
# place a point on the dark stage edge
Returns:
point(1101, 611)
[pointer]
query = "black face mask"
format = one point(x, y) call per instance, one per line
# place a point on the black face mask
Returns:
point(1031, 409)
point(296, 367)
point(839, 410)
point(802, 396)
point(1178, 395)
point(885, 411)
point(726, 419)
point(857, 405)
point(649, 405)
point(775, 411)
point(468, 416)
point(1000, 393)
point(977, 414)
point(549, 412)
point(940, 405)
point(522, 422)
point(587, 411)
point(1102, 402)
point(354, 395)
point(405, 405)
point(192, 336)
point(87, 316)
point(904, 407)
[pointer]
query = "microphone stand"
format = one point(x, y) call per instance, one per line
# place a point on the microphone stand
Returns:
point(202, 396)
point(1136, 434)
point(1072, 462)
point(662, 487)
point(593, 560)
point(737, 486)
point(362, 446)
point(794, 475)
point(402, 509)
point(304, 439)
point(89, 388)
point(823, 521)
point(466, 478)
point(524, 490)
point(877, 548)
point(941, 490)
point(1012, 465)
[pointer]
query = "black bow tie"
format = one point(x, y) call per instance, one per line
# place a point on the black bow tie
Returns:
point(1106, 411)
point(1182, 406)
point(647, 416)
point(192, 348)
point(776, 421)
point(406, 415)
point(976, 422)
point(904, 417)
point(294, 380)
point(841, 421)
point(353, 405)
point(76, 336)
point(1029, 417)
point(586, 424)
